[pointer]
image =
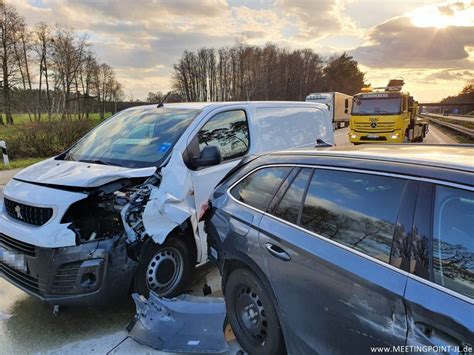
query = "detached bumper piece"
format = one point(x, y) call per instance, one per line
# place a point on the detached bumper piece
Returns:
point(186, 324)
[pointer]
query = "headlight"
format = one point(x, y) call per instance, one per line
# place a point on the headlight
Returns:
point(395, 136)
point(353, 136)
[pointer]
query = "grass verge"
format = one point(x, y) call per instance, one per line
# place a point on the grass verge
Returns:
point(20, 163)
point(459, 138)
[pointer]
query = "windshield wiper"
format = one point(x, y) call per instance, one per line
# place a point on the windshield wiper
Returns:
point(97, 161)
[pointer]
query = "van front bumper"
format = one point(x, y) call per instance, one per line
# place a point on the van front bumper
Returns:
point(91, 273)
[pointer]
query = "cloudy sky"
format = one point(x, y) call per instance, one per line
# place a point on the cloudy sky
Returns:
point(429, 43)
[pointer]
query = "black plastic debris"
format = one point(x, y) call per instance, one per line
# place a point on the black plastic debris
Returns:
point(186, 324)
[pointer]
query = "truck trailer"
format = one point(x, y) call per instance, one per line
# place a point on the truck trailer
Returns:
point(386, 115)
point(339, 106)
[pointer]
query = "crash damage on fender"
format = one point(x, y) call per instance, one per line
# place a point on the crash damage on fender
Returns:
point(73, 241)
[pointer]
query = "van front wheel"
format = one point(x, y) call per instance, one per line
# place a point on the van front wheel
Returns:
point(163, 268)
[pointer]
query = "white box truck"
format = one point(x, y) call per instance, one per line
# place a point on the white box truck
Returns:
point(336, 103)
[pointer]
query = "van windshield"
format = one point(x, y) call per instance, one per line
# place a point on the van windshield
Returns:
point(378, 106)
point(133, 138)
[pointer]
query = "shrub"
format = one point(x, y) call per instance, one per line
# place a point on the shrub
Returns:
point(44, 139)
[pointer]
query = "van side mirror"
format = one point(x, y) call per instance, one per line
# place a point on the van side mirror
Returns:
point(320, 143)
point(210, 155)
point(346, 105)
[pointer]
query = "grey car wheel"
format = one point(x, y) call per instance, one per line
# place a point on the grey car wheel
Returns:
point(252, 315)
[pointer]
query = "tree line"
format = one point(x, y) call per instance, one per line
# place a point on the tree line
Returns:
point(465, 95)
point(245, 72)
point(50, 71)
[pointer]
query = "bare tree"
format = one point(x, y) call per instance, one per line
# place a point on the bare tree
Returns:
point(116, 93)
point(106, 88)
point(87, 75)
point(22, 49)
point(69, 51)
point(244, 72)
point(10, 23)
point(42, 47)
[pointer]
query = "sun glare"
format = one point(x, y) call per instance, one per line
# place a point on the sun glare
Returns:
point(444, 15)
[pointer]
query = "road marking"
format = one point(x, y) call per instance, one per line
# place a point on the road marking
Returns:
point(438, 136)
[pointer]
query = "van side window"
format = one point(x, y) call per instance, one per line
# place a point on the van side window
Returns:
point(453, 239)
point(290, 204)
point(228, 131)
point(357, 210)
point(258, 188)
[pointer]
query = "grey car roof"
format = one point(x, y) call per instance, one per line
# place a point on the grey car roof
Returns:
point(459, 156)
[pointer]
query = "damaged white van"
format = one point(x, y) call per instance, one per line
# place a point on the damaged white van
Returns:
point(119, 210)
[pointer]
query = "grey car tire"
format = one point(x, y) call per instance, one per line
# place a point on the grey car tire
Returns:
point(252, 315)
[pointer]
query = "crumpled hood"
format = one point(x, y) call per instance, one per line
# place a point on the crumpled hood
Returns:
point(77, 174)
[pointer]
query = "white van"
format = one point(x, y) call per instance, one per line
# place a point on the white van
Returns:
point(120, 209)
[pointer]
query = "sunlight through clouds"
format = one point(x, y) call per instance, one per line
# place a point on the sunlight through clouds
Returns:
point(412, 38)
point(456, 13)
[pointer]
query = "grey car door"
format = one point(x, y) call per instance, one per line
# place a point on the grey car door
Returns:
point(440, 290)
point(237, 216)
point(328, 252)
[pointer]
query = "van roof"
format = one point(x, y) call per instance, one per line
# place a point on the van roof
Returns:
point(459, 157)
point(212, 105)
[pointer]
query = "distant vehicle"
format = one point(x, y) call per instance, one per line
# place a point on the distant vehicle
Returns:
point(339, 251)
point(339, 106)
point(119, 210)
point(386, 115)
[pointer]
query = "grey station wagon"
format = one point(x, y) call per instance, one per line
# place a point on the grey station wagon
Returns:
point(348, 251)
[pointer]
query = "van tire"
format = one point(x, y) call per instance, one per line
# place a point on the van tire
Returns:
point(164, 268)
point(264, 336)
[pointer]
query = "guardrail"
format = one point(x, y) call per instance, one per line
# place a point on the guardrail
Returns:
point(452, 116)
point(3, 147)
point(460, 129)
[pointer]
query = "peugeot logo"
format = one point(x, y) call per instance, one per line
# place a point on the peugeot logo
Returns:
point(18, 212)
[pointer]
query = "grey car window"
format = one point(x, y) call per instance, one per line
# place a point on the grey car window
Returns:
point(453, 239)
point(258, 188)
point(290, 204)
point(357, 210)
point(228, 131)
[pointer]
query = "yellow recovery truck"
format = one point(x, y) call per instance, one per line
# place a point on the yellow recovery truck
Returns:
point(386, 115)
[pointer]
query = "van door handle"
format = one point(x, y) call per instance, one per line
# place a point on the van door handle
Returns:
point(278, 252)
